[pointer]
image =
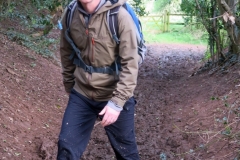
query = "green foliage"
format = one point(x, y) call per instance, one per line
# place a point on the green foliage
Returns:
point(64, 3)
point(40, 45)
point(203, 10)
point(35, 16)
point(176, 34)
point(189, 7)
point(7, 8)
point(27, 14)
point(4, 4)
point(139, 7)
point(221, 35)
point(30, 17)
point(51, 5)
point(159, 5)
point(38, 13)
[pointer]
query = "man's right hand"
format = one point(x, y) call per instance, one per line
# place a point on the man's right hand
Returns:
point(109, 116)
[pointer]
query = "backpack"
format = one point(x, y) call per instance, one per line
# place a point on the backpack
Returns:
point(113, 26)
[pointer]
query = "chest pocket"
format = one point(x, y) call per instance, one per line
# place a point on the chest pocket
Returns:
point(104, 48)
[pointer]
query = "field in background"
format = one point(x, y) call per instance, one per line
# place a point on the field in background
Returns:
point(153, 30)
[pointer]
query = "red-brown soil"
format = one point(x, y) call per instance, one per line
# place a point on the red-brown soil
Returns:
point(179, 115)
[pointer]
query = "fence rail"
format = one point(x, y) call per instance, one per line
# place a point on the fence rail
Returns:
point(162, 22)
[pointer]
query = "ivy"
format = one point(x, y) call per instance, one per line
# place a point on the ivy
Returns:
point(35, 16)
point(40, 44)
point(139, 7)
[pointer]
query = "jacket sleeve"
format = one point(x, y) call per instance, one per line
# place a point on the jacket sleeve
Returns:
point(128, 52)
point(68, 67)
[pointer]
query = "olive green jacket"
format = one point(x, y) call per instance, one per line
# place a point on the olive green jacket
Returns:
point(98, 49)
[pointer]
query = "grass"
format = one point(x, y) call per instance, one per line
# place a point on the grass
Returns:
point(176, 34)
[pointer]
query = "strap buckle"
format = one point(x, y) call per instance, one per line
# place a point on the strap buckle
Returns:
point(104, 70)
point(116, 39)
point(88, 69)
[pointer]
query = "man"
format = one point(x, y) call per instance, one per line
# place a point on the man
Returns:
point(92, 94)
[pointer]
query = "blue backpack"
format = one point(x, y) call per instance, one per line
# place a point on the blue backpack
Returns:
point(113, 26)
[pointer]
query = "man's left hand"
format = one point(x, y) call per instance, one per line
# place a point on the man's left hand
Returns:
point(110, 116)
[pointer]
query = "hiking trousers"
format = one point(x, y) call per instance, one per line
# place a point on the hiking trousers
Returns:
point(78, 122)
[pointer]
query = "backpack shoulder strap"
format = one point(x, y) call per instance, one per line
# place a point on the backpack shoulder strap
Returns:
point(69, 13)
point(112, 21)
point(135, 18)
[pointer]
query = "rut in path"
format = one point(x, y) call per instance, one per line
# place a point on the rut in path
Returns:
point(175, 107)
point(163, 90)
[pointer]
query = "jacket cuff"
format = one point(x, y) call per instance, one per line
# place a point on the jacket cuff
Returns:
point(118, 101)
point(114, 106)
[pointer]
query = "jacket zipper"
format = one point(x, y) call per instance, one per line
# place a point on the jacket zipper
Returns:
point(93, 45)
point(92, 59)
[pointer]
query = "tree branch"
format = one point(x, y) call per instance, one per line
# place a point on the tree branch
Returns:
point(226, 7)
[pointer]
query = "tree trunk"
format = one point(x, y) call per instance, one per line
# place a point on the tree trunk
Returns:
point(230, 6)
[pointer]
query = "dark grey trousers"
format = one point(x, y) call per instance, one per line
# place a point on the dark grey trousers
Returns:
point(77, 125)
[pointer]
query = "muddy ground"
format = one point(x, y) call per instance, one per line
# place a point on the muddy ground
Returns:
point(179, 116)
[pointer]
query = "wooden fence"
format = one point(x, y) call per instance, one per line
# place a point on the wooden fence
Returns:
point(162, 22)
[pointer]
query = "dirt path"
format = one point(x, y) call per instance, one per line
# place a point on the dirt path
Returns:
point(175, 108)
point(178, 116)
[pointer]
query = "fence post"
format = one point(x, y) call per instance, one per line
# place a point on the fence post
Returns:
point(168, 19)
point(165, 21)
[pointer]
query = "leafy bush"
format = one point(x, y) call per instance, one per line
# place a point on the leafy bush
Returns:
point(37, 17)
point(40, 44)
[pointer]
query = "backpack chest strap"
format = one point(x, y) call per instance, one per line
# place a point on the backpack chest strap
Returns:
point(91, 69)
point(77, 60)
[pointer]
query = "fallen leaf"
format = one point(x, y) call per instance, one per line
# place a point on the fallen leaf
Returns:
point(17, 80)
point(37, 34)
point(11, 71)
point(58, 106)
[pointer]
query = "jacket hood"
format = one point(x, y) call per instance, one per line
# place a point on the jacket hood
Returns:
point(108, 5)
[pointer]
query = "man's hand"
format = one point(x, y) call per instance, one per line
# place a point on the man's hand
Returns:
point(110, 116)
